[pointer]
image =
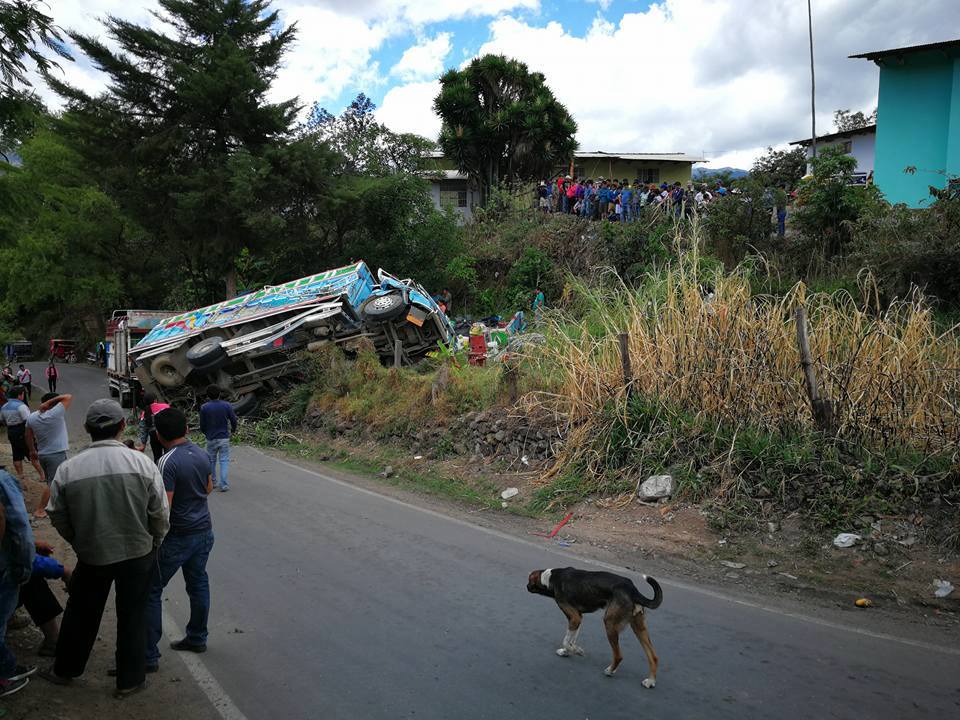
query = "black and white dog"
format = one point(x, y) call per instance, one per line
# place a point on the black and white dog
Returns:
point(578, 592)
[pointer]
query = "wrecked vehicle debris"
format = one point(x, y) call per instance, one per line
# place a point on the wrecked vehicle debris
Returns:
point(248, 345)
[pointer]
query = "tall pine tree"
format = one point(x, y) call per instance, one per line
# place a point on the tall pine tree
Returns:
point(185, 136)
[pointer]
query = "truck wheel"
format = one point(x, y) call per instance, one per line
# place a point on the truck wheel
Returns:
point(382, 308)
point(245, 404)
point(208, 354)
point(165, 371)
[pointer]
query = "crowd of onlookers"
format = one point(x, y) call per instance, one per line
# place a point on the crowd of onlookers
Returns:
point(621, 200)
point(132, 519)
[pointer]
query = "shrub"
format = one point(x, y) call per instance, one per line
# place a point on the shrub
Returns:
point(906, 248)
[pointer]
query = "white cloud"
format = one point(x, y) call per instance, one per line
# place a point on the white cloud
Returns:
point(409, 108)
point(424, 60)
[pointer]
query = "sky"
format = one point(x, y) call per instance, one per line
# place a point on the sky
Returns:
point(718, 78)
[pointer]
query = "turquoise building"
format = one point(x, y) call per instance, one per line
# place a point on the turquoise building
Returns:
point(918, 120)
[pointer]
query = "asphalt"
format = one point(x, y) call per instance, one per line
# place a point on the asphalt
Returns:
point(331, 601)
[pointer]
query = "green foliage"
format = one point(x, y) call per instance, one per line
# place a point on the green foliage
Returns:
point(905, 247)
point(501, 123)
point(739, 224)
point(366, 146)
point(67, 249)
point(24, 32)
point(533, 270)
point(828, 205)
point(844, 120)
point(780, 168)
point(184, 132)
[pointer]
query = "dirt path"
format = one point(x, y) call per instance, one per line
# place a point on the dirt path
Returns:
point(172, 693)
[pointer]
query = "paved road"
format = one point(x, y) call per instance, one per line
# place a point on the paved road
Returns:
point(334, 602)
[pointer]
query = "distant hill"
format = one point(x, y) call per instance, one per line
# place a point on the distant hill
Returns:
point(701, 173)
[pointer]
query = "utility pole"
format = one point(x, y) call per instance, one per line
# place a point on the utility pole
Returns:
point(813, 85)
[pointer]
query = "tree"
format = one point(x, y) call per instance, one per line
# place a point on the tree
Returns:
point(367, 146)
point(500, 122)
point(845, 121)
point(780, 167)
point(22, 28)
point(67, 251)
point(828, 203)
point(183, 119)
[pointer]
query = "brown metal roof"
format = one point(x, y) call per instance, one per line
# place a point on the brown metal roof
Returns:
point(877, 54)
point(865, 130)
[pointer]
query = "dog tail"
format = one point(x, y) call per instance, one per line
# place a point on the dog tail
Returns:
point(643, 602)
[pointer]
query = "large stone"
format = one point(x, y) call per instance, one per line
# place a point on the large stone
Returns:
point(656, 487)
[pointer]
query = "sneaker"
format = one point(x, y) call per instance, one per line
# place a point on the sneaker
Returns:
point(23, 671)
point(224, 488)
point(185, 646)
point(9, 687)
point(121, 693)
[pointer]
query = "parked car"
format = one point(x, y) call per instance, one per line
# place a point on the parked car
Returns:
point(249, 344)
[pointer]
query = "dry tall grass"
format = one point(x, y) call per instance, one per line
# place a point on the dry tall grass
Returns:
point(732, 358)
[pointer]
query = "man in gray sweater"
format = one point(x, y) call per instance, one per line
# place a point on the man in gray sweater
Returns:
point(110, 504)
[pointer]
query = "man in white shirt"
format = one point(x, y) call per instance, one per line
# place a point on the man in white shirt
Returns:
point(47, 438)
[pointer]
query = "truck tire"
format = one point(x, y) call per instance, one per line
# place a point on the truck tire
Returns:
point(208, 354)
point(382, 308)
point(114, 391)
point(245, 404)
point(165, 372)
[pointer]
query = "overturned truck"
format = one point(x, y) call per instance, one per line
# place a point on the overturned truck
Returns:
point(249, 345)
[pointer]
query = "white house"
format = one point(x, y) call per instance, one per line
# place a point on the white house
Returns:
point(859, 143)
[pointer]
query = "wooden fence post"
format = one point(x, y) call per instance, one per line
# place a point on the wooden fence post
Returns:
point(822, 408)
point(625, 362)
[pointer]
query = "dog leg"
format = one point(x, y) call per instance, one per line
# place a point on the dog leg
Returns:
point(639, 625)
point(614, 622)
point(574, 618)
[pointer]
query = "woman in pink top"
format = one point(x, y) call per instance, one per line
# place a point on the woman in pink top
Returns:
point(151, 408)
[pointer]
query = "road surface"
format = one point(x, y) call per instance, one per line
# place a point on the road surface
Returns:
point(331, 601)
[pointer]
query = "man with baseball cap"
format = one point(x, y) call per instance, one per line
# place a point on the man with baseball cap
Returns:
point(111, 506)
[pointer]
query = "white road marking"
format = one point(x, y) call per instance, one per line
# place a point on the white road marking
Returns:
point(214, 691)
point(614, 568)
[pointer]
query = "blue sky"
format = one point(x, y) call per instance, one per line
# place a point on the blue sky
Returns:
point(722, 78)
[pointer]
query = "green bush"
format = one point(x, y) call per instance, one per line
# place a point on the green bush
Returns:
point(905, 248)
point(828, 206)
point(740, 224)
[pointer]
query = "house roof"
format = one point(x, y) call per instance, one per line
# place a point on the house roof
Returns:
point(879, 54)
point(866, 130)
point(671, 157)
point(444, 175)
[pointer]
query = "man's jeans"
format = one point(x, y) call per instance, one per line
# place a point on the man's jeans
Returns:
point(189, 552)
point(219, 453)
point(9, 597)
point(781, 222)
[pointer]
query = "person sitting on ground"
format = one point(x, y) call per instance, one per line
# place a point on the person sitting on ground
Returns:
point(39, 601)
point(17, 551)
point(14, 415)
point(145, 429)
point(47, 439)
point(115, 548)
point(188, 480)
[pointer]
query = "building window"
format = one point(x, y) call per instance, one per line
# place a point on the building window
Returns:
point(453, 198)
point(648, 176)
point(846, 146)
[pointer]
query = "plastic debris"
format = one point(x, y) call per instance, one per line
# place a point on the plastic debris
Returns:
point(846, 540)
point(772, 563)
point(942, 588)
point(509, 493)
point(387, 472)
point(733, 565)
point(418, 457)
point(863, 602)
point(524, 460)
